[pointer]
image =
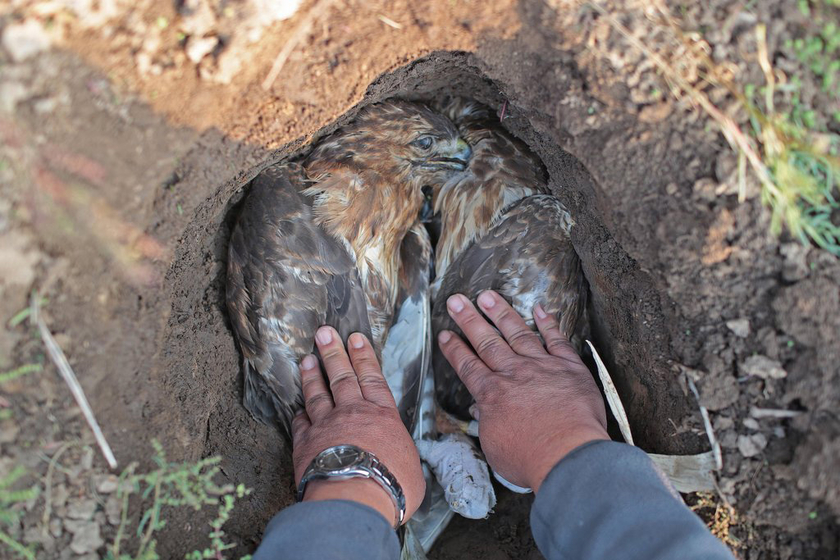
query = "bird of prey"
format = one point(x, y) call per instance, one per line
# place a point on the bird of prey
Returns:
point(324, 242)
point(500, 230)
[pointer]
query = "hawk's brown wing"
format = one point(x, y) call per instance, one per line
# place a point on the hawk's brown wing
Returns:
point(286, 277)
point(528, 258)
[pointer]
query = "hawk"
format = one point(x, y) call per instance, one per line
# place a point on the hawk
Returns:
point(500, 229)
point(336, 240)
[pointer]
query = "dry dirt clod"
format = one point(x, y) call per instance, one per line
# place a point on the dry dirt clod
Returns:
point(750, 446)
point(718, 392)
point(11, 93)
point(106, 483)
point(86, 537)
point(740, 327)
point(81, 509)
point(199, 47)
point(763, 367)
point(25, 40)
point(795, 265)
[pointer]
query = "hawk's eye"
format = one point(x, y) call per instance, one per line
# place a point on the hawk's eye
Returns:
point(424, 142)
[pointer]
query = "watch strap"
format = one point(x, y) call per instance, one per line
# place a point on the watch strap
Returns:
point(371, 467)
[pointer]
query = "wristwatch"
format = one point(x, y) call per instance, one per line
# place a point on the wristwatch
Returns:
point(342, 462)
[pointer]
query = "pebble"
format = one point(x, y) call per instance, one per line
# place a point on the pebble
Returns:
point(106, 483)
point(199, 47)
point(763, 367)
point(113, 509)
point(750, 446)
point(795, 265)
point(81, 508)
point(11, 93)
point(25, 40)
point(751, 423)
point(86, 537)
point(56, 528)
point(740, 327)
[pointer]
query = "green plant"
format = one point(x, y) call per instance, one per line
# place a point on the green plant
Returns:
point(19, 372)
point(171, 485)
point(801, 182)
point(10, 501)
point(821, 54)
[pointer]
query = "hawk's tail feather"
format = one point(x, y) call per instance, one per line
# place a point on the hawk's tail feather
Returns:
point(261, 402)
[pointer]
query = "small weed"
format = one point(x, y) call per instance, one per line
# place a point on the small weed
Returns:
point(23, 314)
point(172, 485)
point(821, 54)
point(19, 372)
point(10, 503)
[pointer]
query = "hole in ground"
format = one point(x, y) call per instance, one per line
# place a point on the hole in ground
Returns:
point(198, 363)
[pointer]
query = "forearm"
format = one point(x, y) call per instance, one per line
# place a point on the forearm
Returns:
point(607, 500)
point(326, 530)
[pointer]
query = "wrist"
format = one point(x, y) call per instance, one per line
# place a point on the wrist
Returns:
point(559, 450)
point(361, 490)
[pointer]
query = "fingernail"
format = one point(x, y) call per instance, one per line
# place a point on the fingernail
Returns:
point(486, 300)
point(540, 312)
point(455, 304)
point(357, 340)
point(324, 335)
point(309, 362)
point(444, 337)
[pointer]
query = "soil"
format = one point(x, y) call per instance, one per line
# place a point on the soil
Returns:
point(122, 173)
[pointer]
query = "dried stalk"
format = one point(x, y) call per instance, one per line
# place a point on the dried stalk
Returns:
point(303, 29)
point(60, 360)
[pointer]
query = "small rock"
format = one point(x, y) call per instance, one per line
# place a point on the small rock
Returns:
point(113, 509)
point(81, 508)
point(25, 40)
point(199, 47)
point(56, 529)
point(90, 556)
point(86, 537)
point(45, 105)
point(106, 483)
point(11, 93)
point(718, 391)
point(750, 446)
point(741, 327)
point(706, 188)
point(763, 367)
point(751, 423)
point(86, 462)
point(59, 496)
point(723, 423)
point(795, 265)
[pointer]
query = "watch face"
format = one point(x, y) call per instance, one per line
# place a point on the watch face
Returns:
point(338, 458)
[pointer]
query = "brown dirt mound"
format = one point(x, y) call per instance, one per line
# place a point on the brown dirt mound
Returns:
point(685, 279)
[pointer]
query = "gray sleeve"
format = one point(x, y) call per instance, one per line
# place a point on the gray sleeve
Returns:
point(607, 500)
point(329, 530)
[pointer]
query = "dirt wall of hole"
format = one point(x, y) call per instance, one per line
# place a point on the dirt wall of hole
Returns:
point(198, 365)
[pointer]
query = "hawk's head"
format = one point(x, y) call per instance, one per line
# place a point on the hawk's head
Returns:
point(398, 138)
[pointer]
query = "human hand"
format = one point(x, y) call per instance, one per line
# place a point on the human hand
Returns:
point(535, 403)
point(357, 409)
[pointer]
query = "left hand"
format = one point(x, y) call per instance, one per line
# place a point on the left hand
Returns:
point(357, 409)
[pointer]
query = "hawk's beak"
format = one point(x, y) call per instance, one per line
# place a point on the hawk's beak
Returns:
point(455, 158)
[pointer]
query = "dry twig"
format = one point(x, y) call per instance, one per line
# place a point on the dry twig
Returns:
point(303, 29)
point(60, 360)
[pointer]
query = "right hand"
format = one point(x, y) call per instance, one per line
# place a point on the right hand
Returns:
point(535, 403)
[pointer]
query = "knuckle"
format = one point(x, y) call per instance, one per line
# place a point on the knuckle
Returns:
point(341, 377)
point(317, 400)
point(487, 345)
point(521, 335)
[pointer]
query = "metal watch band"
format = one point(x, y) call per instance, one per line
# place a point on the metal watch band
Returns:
point(368, 466)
